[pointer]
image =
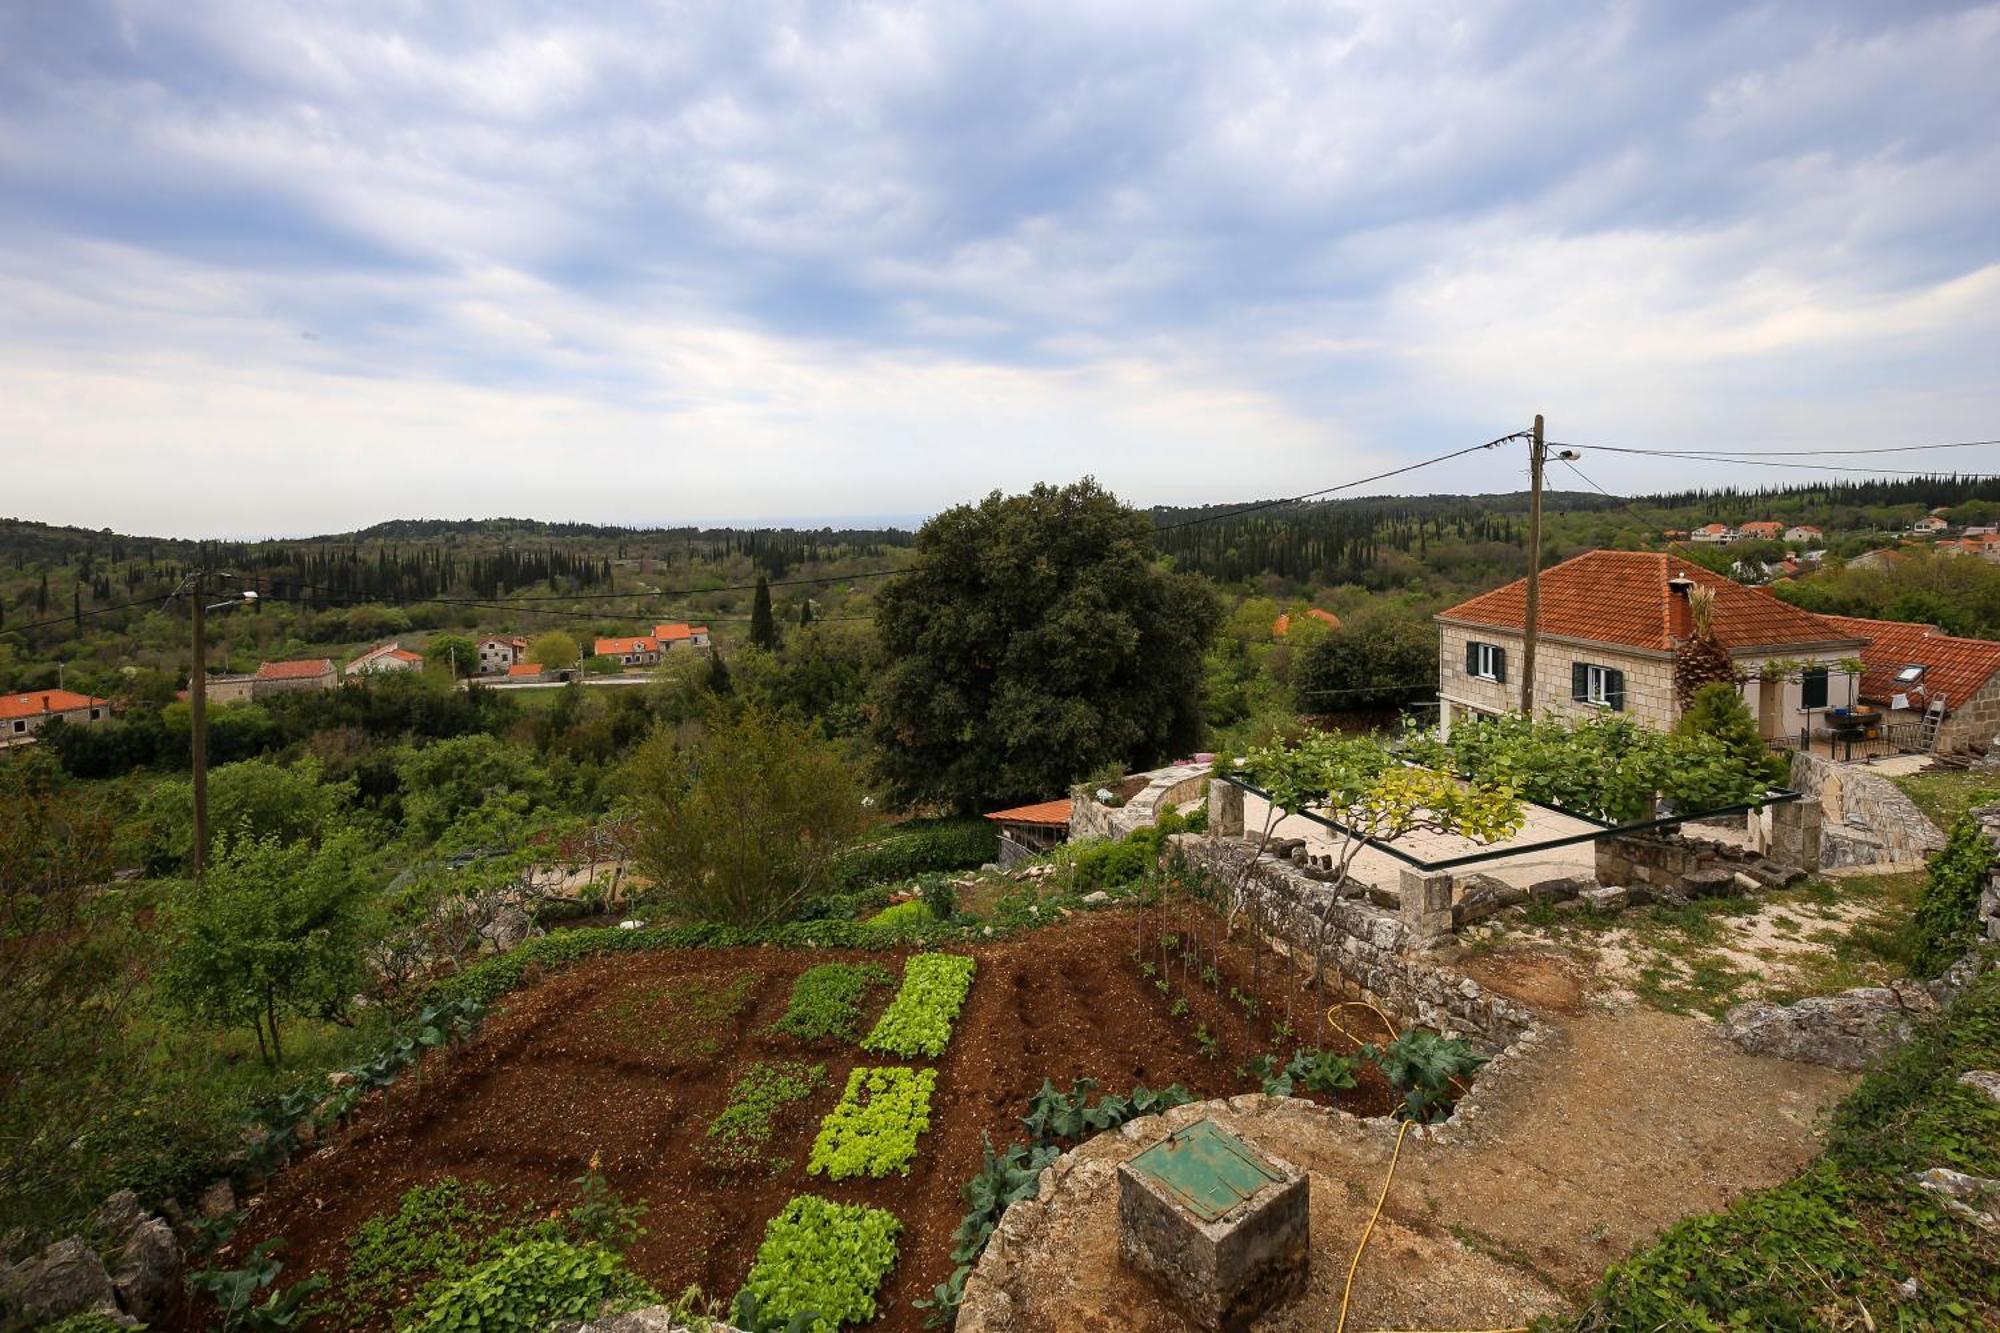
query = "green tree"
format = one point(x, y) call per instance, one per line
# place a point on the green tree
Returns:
point(554, 649)
point(1034, 641)
point(253, 799)
point(742, 825)
point(1379, 657)
point(273, 930)
point(1718, 710)
point(763, 626)
point(453, 654)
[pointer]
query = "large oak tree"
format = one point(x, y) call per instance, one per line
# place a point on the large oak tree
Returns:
point(1036, 639)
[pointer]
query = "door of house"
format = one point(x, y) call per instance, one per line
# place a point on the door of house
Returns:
point(1771, 708)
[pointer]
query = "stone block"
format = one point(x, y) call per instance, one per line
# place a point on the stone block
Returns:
point(1559, 890)
point(1224, 1268)
point(1482, 896)
point(1607, 900)
point(1426, 902)
point(1710, 882)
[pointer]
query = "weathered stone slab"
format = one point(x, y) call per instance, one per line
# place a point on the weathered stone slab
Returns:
point(1847, 1031)
point(1613, 898)
point(1559, 890)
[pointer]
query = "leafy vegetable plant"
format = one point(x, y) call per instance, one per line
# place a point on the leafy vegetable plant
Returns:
point(740, 1133)
point(874, 1129)
point(823, 1258)
point(1421, 1065)
point(536, 1284)
point(918, 1021)
point(1065, 1117)
point(826, 1000)
point(236, 1289)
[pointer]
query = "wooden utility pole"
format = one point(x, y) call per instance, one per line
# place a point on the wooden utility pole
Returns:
point(198, 718)
point(1537, 456)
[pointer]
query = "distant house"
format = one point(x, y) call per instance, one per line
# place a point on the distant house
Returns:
point(1674, 535)
point(1804, 533)
point(680, 634)
point(1763, 530)
point(525, 671)
point(1908, 668)
point(22, 715)
point(1985, 545)
point(311, 673)
point(1713, 534)
point(639, 651)
point(1611, 623)
point(1929, 523)
point(387, 657)
point(1283, 624)
point(1028, 830)
point(498, 653)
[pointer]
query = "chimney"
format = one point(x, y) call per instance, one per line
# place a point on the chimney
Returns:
point(1680, 619)
point(45, 703)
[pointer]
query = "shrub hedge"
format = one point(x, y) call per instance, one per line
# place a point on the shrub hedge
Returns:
point(919, 846)
point(1946, 922)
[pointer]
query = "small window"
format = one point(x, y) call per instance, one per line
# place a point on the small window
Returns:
point(1812, 688)
point(20, 726)
point(1598, 686)
point(1486, 661)
point(1910, 675)
point(93, 715)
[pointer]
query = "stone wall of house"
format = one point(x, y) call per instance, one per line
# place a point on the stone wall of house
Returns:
point(1649, 678)
point(1166, 788)
point(1974, 722)
point(1866, 819)
point(1371, 951)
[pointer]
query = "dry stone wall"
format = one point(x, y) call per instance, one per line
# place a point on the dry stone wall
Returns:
point(1166, 788)
point(1867, 818)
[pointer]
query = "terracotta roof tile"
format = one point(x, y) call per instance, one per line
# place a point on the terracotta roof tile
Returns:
point(677, 631)
point(620, 647)
point(525, 669)
point(1042, 812)
point(1622, 597)
point(1283, 623)
point(1955, 669)
point(37, 702)
point(300, 669)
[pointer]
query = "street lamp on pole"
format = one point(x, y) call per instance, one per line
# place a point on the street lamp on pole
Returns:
point(198, 705)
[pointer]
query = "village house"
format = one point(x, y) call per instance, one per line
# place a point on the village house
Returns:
point(680, 634)
point(498, 653)
point(1985, 545)
point(1030, 830)
point(1283, 624)
point(1909, 669)
point(1610, 625)
point(1880, 558)
point(1763, 530)
point(640, 651)
point(387, 657)
point(1929, 523)
point(1713, 534)
point(22, 715)
point(310, 673)
point(1804, 533)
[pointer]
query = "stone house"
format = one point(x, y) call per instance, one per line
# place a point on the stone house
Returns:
point(311, 673)
point(1611, 623)
point(1283, 624)
point(1762, 529)
point(1908, 669)
point(386, 657)
point(1803, 533)
point(680, 634)
point(1929, 523)
point(1713, 534)
point(498, 653)
point(638, 651)
point(22, 715)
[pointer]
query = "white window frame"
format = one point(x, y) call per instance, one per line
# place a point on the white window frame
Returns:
point(1487, 658)
point(1597, 685)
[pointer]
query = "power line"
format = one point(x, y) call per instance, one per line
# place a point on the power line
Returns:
point(1344, 486)
point(73, 617)
point(1760, 462)
point(1787, 453)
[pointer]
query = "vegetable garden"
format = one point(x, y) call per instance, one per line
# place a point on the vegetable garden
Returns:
point(826, 1130)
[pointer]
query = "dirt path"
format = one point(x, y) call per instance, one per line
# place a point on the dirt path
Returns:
point(1580, 1154)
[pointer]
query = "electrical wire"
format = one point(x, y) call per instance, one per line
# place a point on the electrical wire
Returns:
point(73, 616)
point(1785, 453)
point(1768, 462)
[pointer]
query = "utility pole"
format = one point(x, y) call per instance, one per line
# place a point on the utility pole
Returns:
point(1537, 457)
point(198, 716)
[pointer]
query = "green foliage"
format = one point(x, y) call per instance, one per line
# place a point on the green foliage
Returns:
point(599, 1215)
point(763, 629)
point(1034, 639)
point(1004, 1179)
point(1363, 786)
point(272, 930)
point(918, 1021)
point(826, 1258)
point(911, 913)
point(1423, 1066)
point(1313, 1070)
point(438, 1231)
point(91, 1321)
point(940, 896)
point(554, 649)
point(740, 1134)
point(531, 1286)
point(1378, 658)
point(918, 847)
point(874, 1128)
point(236, 1290)
point(1849, 1231)
point(247, 801)
point(1056, 1117)
point(1718, 710)
point(826, 1000)
point(745, 824)
point(1946, 921)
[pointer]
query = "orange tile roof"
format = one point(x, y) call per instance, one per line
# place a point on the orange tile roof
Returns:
point(1762, 528)
point(677, 631)
point(525, 669)
point(1622, 597)
point(619, 647)
point(1284, 622)
point(1042, 812)
point(37, 702)
point(1713, 529)
point(1955, 669)
point(299, 669)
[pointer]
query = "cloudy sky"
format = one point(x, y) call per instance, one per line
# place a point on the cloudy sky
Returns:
point(286, 268)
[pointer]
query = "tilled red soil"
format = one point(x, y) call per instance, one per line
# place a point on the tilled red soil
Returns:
point(623, 1058)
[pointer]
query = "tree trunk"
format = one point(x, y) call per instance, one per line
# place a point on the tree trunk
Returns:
point(271, 1018)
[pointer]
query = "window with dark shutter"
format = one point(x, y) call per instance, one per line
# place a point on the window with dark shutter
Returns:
point(1579, 682)
point(1500, 664)
point(1614, 690)
point(1471, 658)
point(1812, 688)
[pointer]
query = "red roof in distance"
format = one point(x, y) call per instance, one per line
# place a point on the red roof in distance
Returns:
point(37, 702)
point(299, 669)
point(1042, 812)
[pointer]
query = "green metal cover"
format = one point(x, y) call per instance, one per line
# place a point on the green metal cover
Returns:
point(1207, 1168)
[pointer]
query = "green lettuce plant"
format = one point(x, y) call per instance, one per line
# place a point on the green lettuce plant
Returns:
point(823, 1258)
point(918, 1021)
point(874, 1129)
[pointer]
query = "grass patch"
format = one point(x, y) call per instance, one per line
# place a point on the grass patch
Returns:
point(740, 1134)
point(689, 1014)
point(826, 1001)
point(1832, 1247)
point(1945, 794)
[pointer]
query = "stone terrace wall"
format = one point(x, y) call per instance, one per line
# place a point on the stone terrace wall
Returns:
point(1176, 785)
point(1676, 866)
point(1868, 819)
point(1371, 952)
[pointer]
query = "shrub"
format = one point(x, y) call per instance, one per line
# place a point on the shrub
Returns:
point(911, 913)
point(919, 847)
point(1422, 1066)
point(940, 895)
point(1946, 921)
point(826, 1000)
point(918, 1021)
point(531, 1286)
point(825, 1258)
point(742, 1130)
point(874, 1129)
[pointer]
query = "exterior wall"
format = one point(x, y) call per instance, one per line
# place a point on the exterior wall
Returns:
point(1175, 786)
point(1867, 820)
point(381, 662)
point(325, 680)
point(1649, 679)
point(1842, 689)
point(17, 729)
point(1974, 722)
point(495, 656)
point(231, 689)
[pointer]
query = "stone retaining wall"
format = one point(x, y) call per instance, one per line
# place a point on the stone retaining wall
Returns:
point(1867, 818)
point(1166, 788)
point(1371, 952)
point(1676, 866)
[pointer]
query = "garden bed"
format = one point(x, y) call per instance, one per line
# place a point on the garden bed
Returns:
point(630, 1059)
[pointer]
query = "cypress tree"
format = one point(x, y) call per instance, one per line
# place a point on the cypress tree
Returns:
point(805, 613)
point(763, 629)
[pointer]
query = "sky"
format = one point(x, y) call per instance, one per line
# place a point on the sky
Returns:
point(280, 269)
